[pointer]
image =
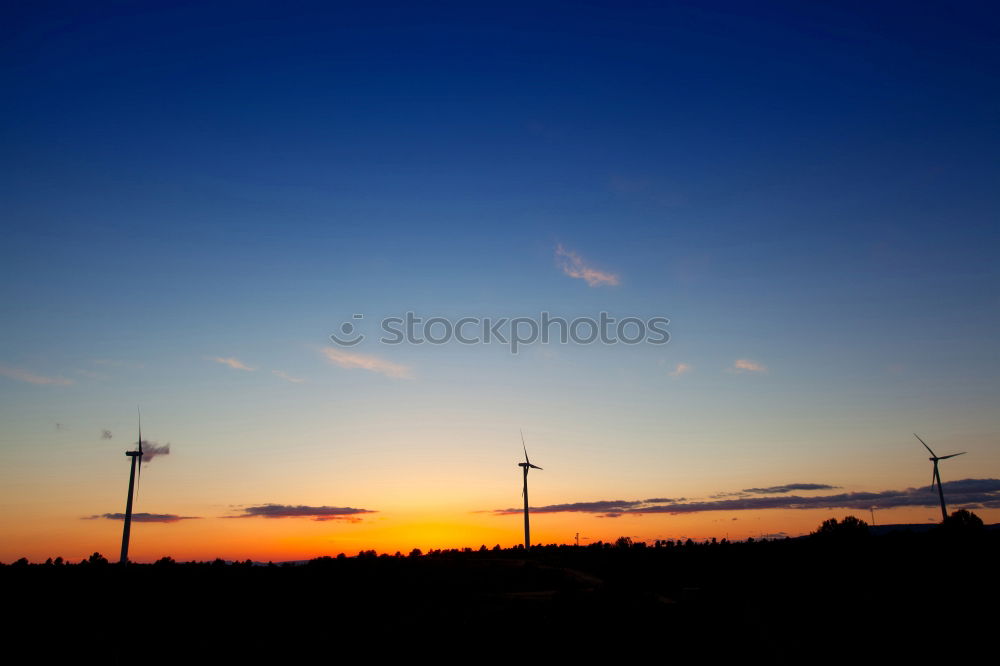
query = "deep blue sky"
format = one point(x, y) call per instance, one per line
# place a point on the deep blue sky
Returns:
point(812, 186)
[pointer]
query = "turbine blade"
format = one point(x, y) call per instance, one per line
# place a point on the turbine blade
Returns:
point(525, 448)
point(953, 455)
point(138, 480)
point(138, 476)
point(934, 476)
point(534, 466)
point(925, 444)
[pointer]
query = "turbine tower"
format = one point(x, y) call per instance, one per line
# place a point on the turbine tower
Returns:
point(937, 475)
point(525, 466)
point(136, 457)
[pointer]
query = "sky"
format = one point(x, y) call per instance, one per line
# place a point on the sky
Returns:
point(197, 195)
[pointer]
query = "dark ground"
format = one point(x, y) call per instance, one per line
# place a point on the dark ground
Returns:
point(855, 596)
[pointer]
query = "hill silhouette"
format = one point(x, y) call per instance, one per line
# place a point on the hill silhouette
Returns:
point(779, 597)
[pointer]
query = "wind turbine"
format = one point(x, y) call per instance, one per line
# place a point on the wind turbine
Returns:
point(136, 457)
point(525, 466)
point(937, 475)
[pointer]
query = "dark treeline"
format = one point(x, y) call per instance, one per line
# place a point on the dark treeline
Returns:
point(841, 591)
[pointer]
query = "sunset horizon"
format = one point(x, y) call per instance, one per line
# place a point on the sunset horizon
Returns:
point(729, 268)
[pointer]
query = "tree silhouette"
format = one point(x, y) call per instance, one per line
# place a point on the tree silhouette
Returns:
point(962, 520)
point(853, 523)
point(849, 527)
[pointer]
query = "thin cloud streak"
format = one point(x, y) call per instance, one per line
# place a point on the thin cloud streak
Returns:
point(680, 369)
point(234, 363)
point(32, 378)
point(320, 513)
point(774, 490)
point(287, 377)
point(788, 487)
point(574, 266)
point(746, 365)
point(966, 493)
point(353, 360)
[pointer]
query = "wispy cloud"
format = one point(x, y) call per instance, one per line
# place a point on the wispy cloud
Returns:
point(746, 365)
point(287, 377)
point(320, 513)
point(234, 363)
point(573, 265)
point(32, 378)
point(352, 360)
point(145, 517)
point(152, 449)
point(967, 493)
point(680, 369)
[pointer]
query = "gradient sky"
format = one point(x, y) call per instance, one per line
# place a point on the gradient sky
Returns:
point(196, 195)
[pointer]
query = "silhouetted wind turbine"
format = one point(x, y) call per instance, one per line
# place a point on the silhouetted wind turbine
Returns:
point(136, 457)
point(525, 465)
point(937, 475)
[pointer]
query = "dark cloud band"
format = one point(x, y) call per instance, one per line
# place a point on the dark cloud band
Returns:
point(301, 511)
point(789, 487)
point(967, 493)
point(146, 517)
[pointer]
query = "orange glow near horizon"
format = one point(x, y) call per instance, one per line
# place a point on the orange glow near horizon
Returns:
point(282, 539)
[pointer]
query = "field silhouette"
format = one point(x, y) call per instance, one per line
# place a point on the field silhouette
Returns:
point(838, 591)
